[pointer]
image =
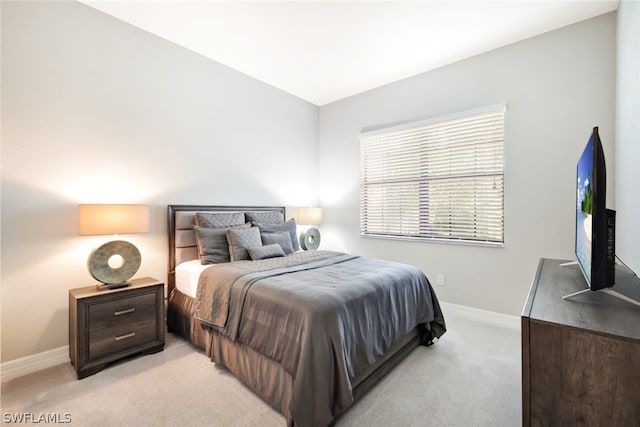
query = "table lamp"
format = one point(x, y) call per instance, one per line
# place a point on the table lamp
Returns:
point(310, 239)
point(115, 262)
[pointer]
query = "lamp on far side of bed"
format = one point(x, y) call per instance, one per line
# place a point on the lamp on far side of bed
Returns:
point(115, 262)
point(310, 239)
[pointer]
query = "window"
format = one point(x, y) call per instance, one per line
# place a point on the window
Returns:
point(437, 179)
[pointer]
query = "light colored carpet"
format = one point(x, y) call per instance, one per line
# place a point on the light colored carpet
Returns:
point(471, 377)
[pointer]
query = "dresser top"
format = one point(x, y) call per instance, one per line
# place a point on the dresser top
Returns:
point(593, 311)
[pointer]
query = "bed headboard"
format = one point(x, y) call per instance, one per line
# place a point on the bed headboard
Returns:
point(182, 240)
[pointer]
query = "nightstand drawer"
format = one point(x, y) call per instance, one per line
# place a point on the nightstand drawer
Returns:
point(122, 311)
point(121, 337)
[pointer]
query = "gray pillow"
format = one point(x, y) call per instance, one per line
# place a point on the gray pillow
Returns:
point(212, 244)
point(219, 219)
point(241, 239)
point(267, 251)
point(289, 226)
point(267, 217)
point(281, 238)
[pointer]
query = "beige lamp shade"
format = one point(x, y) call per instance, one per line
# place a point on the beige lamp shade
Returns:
point(113, 219)
point(309, 216)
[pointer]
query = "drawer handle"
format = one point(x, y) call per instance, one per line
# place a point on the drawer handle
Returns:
point(128, 310)
point(124, 337)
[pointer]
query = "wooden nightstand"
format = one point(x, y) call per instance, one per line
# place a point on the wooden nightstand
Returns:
point(111, 324)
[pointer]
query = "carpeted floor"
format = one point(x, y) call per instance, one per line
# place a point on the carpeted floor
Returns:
point(471, 377)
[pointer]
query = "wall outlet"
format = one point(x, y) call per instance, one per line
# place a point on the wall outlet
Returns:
point(440, 279)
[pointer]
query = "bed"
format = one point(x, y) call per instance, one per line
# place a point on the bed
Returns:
point(308, 331)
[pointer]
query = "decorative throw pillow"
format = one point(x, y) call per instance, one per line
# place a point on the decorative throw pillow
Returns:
point(240, 239)
point(219, 219)
point(289, 226)
point(281, 238)
point(212, 244)
point(267, 251)
point(267, 217)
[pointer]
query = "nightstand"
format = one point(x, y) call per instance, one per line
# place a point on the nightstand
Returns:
point(108, 325)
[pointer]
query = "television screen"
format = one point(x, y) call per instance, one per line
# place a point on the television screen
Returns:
point(595, 224)
point(584, 209)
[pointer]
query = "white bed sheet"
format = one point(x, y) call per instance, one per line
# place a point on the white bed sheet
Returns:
point(187, 275)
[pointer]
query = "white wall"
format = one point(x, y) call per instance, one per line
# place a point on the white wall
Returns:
point(628, 135)
point(97, 111)
point(557, 87)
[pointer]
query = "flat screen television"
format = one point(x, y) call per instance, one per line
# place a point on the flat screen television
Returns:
point(595, 224)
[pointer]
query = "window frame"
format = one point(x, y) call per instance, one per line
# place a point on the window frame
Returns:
point(427, 229)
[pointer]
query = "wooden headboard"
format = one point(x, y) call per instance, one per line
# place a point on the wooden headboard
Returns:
point(182, 240)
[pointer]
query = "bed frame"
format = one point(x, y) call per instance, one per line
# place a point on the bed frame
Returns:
point(235, 356)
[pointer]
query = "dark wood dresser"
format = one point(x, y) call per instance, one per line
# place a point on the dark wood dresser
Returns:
point(580, 357)
point(106, 325)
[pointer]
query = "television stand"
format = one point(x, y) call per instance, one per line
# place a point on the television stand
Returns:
point(579, 361)
point(606, 291)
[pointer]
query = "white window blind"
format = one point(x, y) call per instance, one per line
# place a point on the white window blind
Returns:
point(440, 179)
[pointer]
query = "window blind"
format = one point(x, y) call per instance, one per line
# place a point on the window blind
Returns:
point(440, 179)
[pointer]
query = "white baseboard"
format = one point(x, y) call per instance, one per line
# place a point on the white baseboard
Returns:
point(29, 364)
point(485, 316)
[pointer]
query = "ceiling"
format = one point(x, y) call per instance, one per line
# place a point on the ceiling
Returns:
point(323, 51)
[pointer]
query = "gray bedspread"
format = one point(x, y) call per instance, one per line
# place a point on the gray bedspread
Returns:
point(324, 316)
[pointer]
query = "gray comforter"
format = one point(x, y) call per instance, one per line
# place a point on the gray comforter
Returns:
point(324, 316)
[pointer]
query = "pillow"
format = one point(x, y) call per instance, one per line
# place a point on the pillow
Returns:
point(267, 251)
point(240, 239)
point(281, 238)
point(289, 226)
point(219, 219)
point(267, 217)
point(212, 244)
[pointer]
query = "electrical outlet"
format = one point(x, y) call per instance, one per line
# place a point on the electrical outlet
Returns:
point(440, 279)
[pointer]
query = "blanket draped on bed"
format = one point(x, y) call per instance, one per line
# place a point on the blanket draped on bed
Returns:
point(324, 316)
